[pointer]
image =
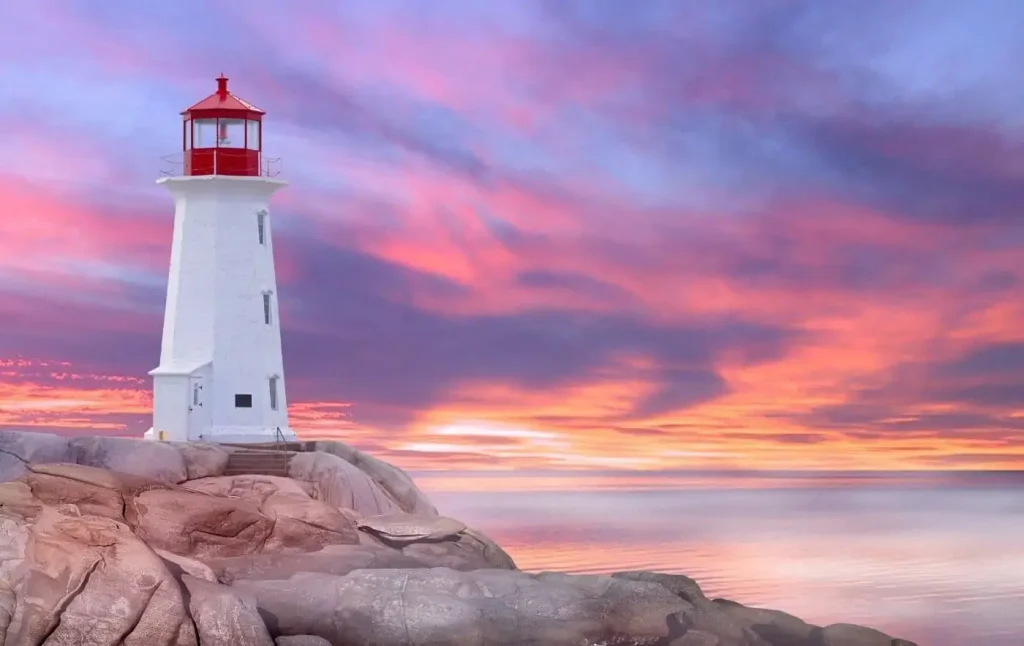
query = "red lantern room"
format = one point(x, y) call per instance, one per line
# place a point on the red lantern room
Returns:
point(222, 135)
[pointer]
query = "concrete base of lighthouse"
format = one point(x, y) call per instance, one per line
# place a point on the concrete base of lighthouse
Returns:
point(186, 408)
point(228, 435)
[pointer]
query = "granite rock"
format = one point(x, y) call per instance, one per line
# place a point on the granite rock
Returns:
point(301, 640)
point(89, 579)
point(18, 448)
point(202, 459)
point(340, 484)
point(154, 460)
point(223, 616)
point(396, 482)
point(775, 626)
point(852, 635)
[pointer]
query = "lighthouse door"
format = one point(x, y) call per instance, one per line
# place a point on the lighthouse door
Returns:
point(199, 412)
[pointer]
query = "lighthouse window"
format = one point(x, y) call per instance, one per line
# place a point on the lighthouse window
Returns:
point(243, 401)
point(266, 307)
point(252, 137)
point(231, 133)
point(204, 133)
point(273, 393)
point(261, 225)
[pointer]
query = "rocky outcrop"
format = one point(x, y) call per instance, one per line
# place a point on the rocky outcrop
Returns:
point(403, 529)
point(18, 449)
point(154, 460)
point(224, 615)
point(301, 640)
point(443, 606)
point(333, 559)
point(89, 579)
point(341, 484)
point(202, 459)
point(398, 485)
point(166, 549)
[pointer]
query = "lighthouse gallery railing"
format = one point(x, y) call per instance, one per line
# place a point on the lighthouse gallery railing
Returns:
point(176, 165)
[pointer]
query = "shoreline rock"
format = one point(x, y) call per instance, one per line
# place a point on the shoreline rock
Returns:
point(121, 541)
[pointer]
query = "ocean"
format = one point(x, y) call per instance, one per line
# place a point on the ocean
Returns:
point(937, 558)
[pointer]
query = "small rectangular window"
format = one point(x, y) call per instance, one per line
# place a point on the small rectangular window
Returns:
point(195, 394)
point(204, 134)
point(243, 401)
point(261, 226)
point(266, 307)
point(273, 393)
point(252, 137)
point(230, 133)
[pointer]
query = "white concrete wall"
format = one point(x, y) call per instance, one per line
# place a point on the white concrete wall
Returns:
point(219, 272)
point(189, 312)
point(170, 407)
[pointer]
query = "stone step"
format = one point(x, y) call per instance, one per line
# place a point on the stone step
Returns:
point(258, 454)
point(257, 462)
point(276, 464)
point(297, 446)
point(277, 473)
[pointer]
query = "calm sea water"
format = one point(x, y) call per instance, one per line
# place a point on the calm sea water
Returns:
point(936, 558)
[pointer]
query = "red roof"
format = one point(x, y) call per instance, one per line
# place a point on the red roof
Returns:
point(223, 100)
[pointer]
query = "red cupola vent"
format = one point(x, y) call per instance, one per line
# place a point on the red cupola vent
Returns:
point(222, 135)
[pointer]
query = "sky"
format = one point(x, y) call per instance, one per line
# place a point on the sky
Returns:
point(565, 234)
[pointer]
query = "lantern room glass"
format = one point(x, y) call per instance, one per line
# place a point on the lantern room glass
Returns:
point(231, 133)
point(252, 135)
point(222, 133)
point(204, 133)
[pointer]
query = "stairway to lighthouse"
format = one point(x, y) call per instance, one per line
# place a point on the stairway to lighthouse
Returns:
point(264, 459)
point(253, 461)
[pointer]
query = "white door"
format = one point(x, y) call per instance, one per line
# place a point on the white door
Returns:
point(199, 412)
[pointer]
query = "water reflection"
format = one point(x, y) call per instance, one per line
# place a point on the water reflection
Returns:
point(938, 558)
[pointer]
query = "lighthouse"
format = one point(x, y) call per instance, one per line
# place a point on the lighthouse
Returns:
point(221, 372)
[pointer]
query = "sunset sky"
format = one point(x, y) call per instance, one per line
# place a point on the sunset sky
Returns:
point(548, 234)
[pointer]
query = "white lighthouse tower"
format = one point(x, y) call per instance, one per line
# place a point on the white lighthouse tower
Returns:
point(221, 374)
